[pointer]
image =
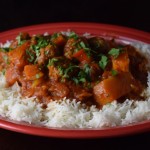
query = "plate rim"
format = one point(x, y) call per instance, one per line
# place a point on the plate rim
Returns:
point(115, 29)
point(79, 133)
point(87, 133)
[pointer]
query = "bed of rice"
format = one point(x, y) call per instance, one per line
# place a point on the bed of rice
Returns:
point(71, 114)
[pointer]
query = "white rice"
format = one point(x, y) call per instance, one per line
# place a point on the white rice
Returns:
point(69, 113)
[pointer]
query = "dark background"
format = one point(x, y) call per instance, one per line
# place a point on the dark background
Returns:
point(18, 13)
point(130, 13)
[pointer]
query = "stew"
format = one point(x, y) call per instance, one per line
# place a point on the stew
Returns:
point(92, 70)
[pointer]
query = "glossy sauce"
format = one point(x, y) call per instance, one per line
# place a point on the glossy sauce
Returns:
point(91, 70)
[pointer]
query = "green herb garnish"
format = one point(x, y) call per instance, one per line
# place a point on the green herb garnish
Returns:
point(85, 48)
point(61, 70)
point(70, 69)
point(103, 62)
point(37, 76)
point(41, 43)
point(52, 61)
point(82, 44)
point(5, 49)
point(83, 80)
point(54, 36)
point(19, 39)
point(87, 70)
point(114, 72)
point(83, 75)
point(75, 80)
point(115, 52)
point(3, 71)
point(73, 35)
point(31, 56)
point(46, 52)
point(5, 57)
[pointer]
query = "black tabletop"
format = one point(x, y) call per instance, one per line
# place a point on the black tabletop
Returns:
point(129, 13)
point(15, 141)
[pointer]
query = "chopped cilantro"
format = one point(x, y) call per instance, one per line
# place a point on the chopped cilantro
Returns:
point(115, 52)
point(83, 46)
point(37, 52)
point(83, 75)
point(3, 71)
point(61, 70)
point(114, 72)
point(103, 62)
point(41, 43)
point(87, 70)
point(5, 49)
point(19, 39)
point(75, 80)
point(69, 70)
point(37, 76)
point(31, 56)
point(5, 58)
point(46, 52)
point(73, 35)
point(52, 61)
point(54, 36)
point(83, 80)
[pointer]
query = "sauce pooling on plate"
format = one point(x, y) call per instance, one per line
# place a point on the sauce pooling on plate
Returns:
point(91, 70)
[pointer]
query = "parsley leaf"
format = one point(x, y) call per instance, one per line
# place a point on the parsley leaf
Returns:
point(114, 72)
point(83, 75)
point(61, 70)
point(5, 49)
point(41, 43)
point(87, 71)
point(86, 48)
point(19, 39)
point(115, 52)
point(3, 71)
point(69, 70)
point(54, 36)
point(82, 44)
point(83, 80)
point(52, 61)
point(73, 35)
point(75, 80)
point(31, 56)
point(37, 76)
point(103, 62)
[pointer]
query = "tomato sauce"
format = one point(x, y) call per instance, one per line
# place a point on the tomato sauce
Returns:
point(92, 70)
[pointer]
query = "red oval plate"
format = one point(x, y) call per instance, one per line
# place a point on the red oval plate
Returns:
point(122, 33)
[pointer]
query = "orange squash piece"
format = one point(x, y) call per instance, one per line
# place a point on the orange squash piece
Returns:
point(32, 72)
point(60, 40)
point(112, 88)
point(17, 56)
point(121, 63)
